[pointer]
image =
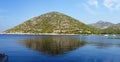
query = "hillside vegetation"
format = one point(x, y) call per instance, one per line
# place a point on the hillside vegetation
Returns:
point(53, 22)
point(114, 29)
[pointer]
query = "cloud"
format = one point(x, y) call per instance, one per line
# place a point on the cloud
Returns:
point(90, 6)
point(93, 6)
point(112, 4)
point(93, 3)
point(88, 9)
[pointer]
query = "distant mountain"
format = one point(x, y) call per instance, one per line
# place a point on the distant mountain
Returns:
point(101, 24)
point(114, 29)
point(53, 22)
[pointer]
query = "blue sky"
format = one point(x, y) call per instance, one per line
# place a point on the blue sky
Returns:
point(14, 12)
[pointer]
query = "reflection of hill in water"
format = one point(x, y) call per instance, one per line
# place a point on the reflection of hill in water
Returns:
point(53, 45)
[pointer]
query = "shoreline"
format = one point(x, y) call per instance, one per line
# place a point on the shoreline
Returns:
point(54, 34)
point(43, 34)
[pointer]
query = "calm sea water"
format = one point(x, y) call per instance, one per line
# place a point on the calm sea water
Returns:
point(60, 48)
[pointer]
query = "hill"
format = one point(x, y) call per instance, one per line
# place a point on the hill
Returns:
point(101, 24)
point(53, 22)
point(114, 29)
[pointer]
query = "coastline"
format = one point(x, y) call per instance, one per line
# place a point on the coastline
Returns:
point(43, 34)
point(53, 34)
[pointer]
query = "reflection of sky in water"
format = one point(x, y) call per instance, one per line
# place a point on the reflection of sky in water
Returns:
point(79, 48)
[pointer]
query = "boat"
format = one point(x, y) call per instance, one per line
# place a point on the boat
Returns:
point(3, 58)
point(106, 35)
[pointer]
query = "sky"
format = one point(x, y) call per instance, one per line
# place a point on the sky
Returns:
point(15, 12)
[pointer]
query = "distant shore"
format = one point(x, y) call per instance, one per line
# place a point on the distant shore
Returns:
point(43, 34)
point(54, 34)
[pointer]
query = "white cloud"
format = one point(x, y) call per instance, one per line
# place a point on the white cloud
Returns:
point(118, 7)
point(90, 6)
point(88, 9)
point(112, 4)
point(93, 6)
point(93, 3)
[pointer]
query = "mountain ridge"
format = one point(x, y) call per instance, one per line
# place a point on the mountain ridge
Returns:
point(53, 22)
point(114, 29)
point(101, 24)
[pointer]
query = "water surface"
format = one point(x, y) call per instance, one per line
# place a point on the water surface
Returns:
point(60, 48)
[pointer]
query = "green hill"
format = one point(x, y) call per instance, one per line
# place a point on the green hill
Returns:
point(114, 29)
point(53, 22)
